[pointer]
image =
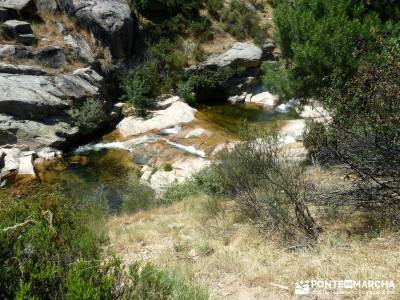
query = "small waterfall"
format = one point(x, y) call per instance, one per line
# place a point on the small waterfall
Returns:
point(100, 146)
point(189, 149)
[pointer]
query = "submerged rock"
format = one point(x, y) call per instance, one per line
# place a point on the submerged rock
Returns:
point(197, 132)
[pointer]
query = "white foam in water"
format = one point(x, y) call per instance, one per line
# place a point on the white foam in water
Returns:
point(100, 146)
point(284, 107)
point(189, 149)
point(173, 130)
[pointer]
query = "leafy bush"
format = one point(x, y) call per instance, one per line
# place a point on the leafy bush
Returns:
point(314, 61)
point(42, 236)
point(88, 116)
point(242, 22)
point(178, 192)
point(315, 138)
point(207, 85)
point(201, 29)
point(159, 73)
point(167, 8)
point(214, 8)
point(140, 87)
point(51, 248)
point(147, 282)
point(168, 168)
point(365, 132)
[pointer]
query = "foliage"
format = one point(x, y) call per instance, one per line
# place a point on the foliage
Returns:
point(168, 168)
point(315, 62)
point(315, 138)
point(147, 282)
point(242, 22)
point(140, 87)
point(178, 192)
point(51, 236)
point(158, 73)
point(167, 8)
point(88, 116)
point(214, 8)
point(51, 248)
point(365, 132)
point(207, 85)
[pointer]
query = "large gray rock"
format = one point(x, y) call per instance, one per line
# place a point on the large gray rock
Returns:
point(178, 113)
point(15, 27)
point(39, 97)
point(34, 134)
point(5, 14)
point(24, 8)
point(79, 48)
point(51, 57)
point(10, 161)
point(15, 52)
point(28, 39)
point(21, 69)
point(245, 55)
point(110, 21)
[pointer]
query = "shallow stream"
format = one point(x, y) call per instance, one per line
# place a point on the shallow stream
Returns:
point(105, 170)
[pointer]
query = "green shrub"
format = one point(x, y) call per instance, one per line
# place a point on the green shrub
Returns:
point(42, 236)
point(242, 22)
point(214, 8)
point(315, 138)
point(179, 192)
point(147, 282)
point(159, 73)
point(315, 62)
point(88, 116)
point(364, 134)
point(167, 8)
point(168, 168)
point(140, 87)
point(207, 85)
point(201, 29)
point(51, 248)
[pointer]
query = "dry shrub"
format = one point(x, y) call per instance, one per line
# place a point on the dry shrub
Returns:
point(268, 186)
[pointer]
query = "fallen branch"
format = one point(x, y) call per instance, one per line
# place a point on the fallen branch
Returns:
point(26, 222)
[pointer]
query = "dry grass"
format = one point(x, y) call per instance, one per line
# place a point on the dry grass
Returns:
point(235, 261)
point(48, 34)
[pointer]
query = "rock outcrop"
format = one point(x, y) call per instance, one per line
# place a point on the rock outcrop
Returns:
point(245, 55)
point(39, 97)
point(35, 134)
point(23, 8)
point(177, 113)
point(264, 99)
point(110, 22)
